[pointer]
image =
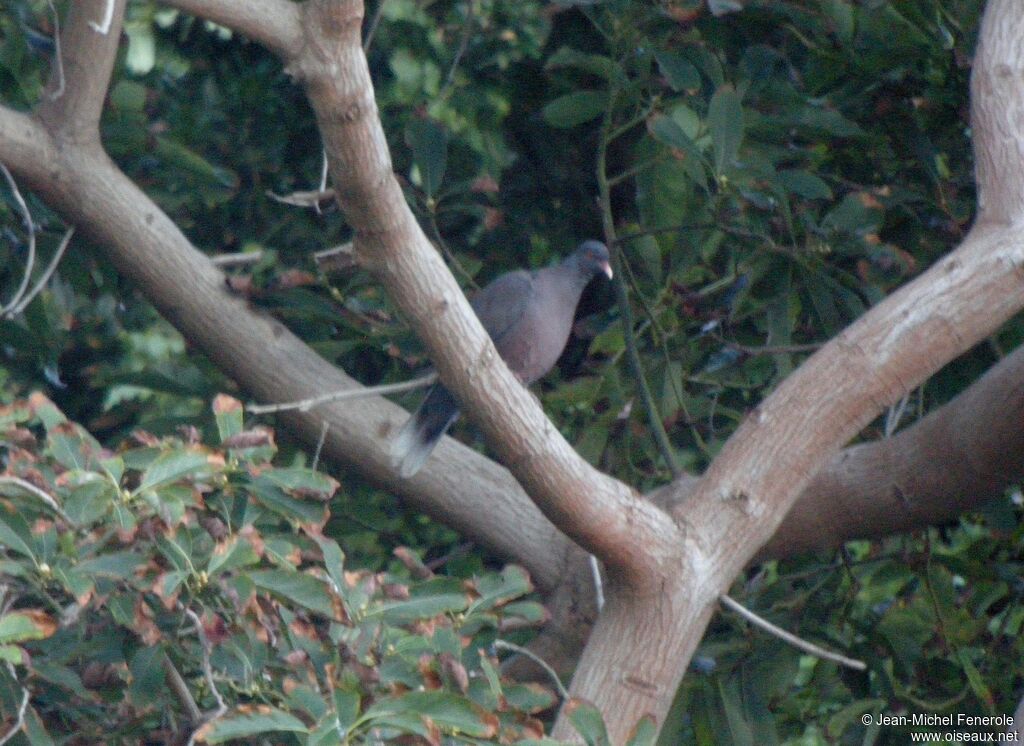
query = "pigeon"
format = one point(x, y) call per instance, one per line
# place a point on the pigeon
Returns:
point(529, 316)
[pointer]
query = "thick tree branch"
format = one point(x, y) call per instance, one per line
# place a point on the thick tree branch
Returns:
point(22, 141)
point(600, 513)
point(756, 478)
point(273, 23)
point(88, 60)
point(868, 490)
point(735, 508)
point(891, 486)
point(264, 357)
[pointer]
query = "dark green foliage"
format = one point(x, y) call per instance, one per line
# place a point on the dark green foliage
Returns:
point(102, 599)
point(771, 174)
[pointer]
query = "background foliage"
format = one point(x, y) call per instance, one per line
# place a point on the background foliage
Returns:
point(771, 172)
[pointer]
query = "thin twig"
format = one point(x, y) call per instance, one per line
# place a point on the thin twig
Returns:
point(467, 32)
point(626, 126)
point(595, 571)
point(439, 562)
point(336, 259)
point(22, 708)
point(236, 259)
point(446, 250)
point(31, 228)
point(58, 57)
point(323, 177)
point(103, 27)
point(47, 273)
point(634, 170)
point(797, 642)
point(622, 296)
point(180, 688)
point(503, 645)
point(306, 404)
point(207, 673)
point(305, 198)
point(895, 414)
point(754, 351)
point(50, 501)
point(371, 28)
point(320, 446)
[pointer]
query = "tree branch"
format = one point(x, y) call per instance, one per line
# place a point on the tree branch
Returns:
point(19, 722)
point(735, 508)
point(891, 486)
point(88, 57)
point(267, 360)
point(789, 637)
point(762, 469)
point(597, 511)
point(347, 394)
point(273, 23)
point(868, 490)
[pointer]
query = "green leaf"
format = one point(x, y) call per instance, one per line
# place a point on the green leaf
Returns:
point(851, 715)
point(828, 120)
point(303, 482)
point(251, 721)
point(530, 611)
point(180, 156)
point(804, 184)
point(575, 108)
point(334, 561)
point(114, 565)
point(669, 132)
point(346, 706)
point(595, 64)
point(587, 721)
point(402, 612)
point(680, 73)
point(25, 625)
point(276, 499)
point(73, 447)
point(35, 730)
point(141, 56)
point(147, 682)
point(977, 682)
point(736, 715)
point(90, 501)
point(231, 553)
point(512, 582)
point(725, 120)
point(128, 95)
point(644, 733)
point(15, 534)
point(299, 588)
point(429, 143)
point(170, 467)
point(447, 710)
point(230, 416)
point(530, 698)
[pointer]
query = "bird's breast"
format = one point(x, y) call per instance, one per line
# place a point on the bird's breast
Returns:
point(531, 355)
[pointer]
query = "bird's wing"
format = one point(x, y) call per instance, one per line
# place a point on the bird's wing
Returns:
point(501, 305)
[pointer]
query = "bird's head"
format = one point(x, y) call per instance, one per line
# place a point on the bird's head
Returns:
point(592, 257)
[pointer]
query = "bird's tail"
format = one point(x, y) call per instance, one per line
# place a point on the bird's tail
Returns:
point(413, 445)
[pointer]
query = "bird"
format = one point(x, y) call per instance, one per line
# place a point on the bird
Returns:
point(528, 315)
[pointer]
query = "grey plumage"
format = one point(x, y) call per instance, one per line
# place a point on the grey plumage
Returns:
point(529, 316)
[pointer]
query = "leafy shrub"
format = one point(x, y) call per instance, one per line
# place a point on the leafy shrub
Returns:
point(166, 578)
